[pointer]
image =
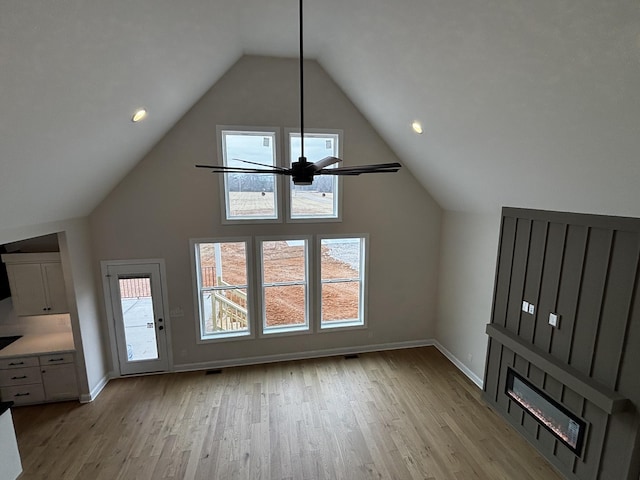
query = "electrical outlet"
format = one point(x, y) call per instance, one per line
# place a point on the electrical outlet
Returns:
point(469, 358)
point(554, 319)
point(525, 306)
point(532, 309)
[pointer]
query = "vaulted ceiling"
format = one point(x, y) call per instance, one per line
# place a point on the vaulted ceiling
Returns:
point(533, 104)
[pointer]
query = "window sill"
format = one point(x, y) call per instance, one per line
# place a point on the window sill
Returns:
point(282, 331)
point(225, 337)
point(342, 325)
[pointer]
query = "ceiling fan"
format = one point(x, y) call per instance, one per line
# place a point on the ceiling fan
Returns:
point(303, 171)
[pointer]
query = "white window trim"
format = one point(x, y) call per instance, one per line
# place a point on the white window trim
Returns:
point(287, 188)
point(310, 287)
point(251, 304)
point(278, 194)
point(364, 269)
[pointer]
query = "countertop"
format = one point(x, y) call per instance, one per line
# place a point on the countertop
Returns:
point(38, 344)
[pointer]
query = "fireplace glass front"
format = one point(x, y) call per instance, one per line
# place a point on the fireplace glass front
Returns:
point(567, 427)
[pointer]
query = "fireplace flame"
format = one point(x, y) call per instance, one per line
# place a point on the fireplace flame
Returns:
point(560, 430)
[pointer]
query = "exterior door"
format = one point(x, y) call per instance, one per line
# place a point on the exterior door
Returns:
point(137, 309)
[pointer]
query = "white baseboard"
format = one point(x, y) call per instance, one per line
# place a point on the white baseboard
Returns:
point(238, 362)
point(461, 366)
point(95, 391)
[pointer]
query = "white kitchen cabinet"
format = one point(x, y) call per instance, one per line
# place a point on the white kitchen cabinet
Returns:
point(38, 379)
point(59, 382)
point(37, 283)
point(58, 376)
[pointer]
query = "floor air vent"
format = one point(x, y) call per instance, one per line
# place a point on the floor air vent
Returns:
point(351, 356)
point(213, 372)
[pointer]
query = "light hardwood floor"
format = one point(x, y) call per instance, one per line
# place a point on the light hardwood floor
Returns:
point(403, 414)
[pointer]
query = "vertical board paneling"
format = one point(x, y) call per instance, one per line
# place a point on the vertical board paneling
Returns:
point(588, 467)
point(493, 370)
point(564, 456)
point(549, 286)
point(585, 268)
point(619, 444)
point(568, 291)
point(533, 277)
point(592, 289)
point(628, 383)
point(615, 309)
point(518, 272)
point(506, 361)
point(503, 275)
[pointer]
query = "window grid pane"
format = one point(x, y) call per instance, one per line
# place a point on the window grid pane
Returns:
point(320, 199)
point(223, 264)
point(225, 311)
point(284, 283)
point(284, 261)
point(250, 195)
point(222, 282)
point(285, 306)
point(341, 299)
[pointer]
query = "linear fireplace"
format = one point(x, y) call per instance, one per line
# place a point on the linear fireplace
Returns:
point(567, 427)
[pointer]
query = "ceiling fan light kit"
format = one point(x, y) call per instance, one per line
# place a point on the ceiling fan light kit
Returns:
point(303, 171)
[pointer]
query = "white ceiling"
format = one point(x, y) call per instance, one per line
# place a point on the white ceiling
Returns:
point(524, 103)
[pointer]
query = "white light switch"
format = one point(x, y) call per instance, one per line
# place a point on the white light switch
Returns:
point(532, 308)
point(525, 306)
point(554, 319)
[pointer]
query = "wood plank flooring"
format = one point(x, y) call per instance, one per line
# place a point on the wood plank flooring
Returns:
point(403, 414)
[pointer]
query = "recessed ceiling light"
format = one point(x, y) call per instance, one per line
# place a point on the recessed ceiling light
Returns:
point(417, 127)
point(139, 115)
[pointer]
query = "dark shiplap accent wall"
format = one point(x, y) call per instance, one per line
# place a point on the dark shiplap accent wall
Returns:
point(584, 268)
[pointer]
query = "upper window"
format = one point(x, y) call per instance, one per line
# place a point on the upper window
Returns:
point(249, 196)
point(321, 199)
point(222, 277)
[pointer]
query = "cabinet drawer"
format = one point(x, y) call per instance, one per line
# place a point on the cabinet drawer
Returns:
point(20, 376)
point(23, 394)
point(19, 362)
point(54, 359)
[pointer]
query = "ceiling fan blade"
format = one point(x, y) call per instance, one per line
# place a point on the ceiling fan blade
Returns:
point(325, 162)
point(261, 164)
point(357, 170)
point(224, 169)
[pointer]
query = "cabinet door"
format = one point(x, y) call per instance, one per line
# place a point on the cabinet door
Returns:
point(27, 289)
point(54, 285)
point(60, 382)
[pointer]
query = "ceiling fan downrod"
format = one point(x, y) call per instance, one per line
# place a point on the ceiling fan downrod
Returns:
point(302, 157)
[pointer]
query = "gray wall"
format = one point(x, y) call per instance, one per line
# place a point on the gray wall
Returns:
point(465, 287)
point(585, 268)
point(165, 201)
